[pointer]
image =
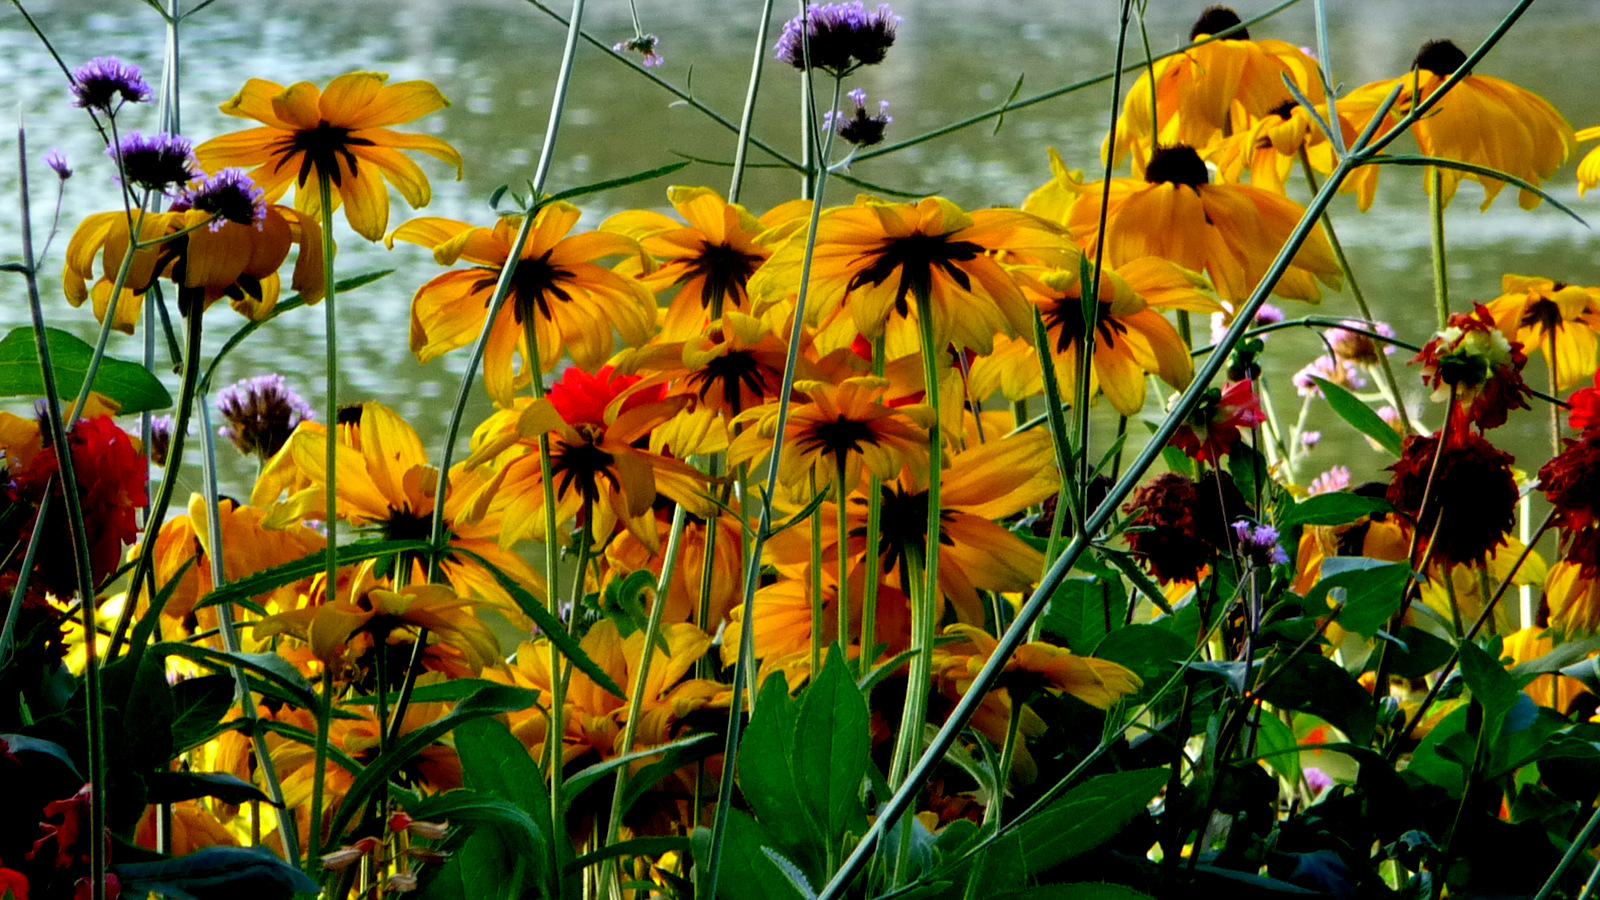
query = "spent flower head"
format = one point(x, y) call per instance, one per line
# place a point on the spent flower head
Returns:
point(231, 195)
point(159, 162)
point(644, 44)
point(56, 159)
point(838, 37)
point(860, 129)
point(261, 413)
point(105, 83)
point(160, 439)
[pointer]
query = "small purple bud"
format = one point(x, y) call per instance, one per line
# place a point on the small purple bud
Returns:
point(1258, 544)
point(105, 83)
point(160, 439)
point(57, 161)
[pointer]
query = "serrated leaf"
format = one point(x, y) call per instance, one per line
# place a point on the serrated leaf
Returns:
point(306, 566)
point(1352, 410)
point(132, 387)
point(832, 746)
point(608, 184)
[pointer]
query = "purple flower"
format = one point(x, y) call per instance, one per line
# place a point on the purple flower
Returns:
point(1310, 439)
point(838, 37)
point(1339, 371)
point(645, 44)
point(231, 195)
point(860, 129)
point(1266, 315)
point(1258, 544)
point(159, 162)
point(57, 161)
point(1316, 779)
point(105, 83)
point(261, 413)
point(1335, 479)
point(1357, 346)
point(160, 439)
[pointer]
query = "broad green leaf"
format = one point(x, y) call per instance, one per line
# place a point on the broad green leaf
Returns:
point(1086, 817)
point(475, 808)
point(1352, 410)
point(199, 705)
point(745, 871)
point(1370, 596)
point(132, 387)
point(1331, 509)
point(832, 743)
point(171, 787)
point(487, 702)
point(216, 873)
point(791, 873)
point(495, 764)
point(1276, 744)
point(22, 743)
point(1315, 684)
point(767, 770)
point(1414, 652)
point(1495, 689)
point(1152, 652)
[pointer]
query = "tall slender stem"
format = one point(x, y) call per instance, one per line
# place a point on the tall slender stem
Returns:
point(741, 147)
point(1441, 278)
point(841, 529)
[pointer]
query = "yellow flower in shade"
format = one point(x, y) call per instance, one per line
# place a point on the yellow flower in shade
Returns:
point(984, 485)
point(1232, 232)
point(1132, 337)
point(1211, 90)
point(1554, 691)
point(193, 828)
point(627, 553)
point(846, 424)
point(595, 719)
point(236, 261)
point(1483, 120)
point(571, 303)
point(386, 483)
point(734, 365)
point(340, 133)
point(1589, 166)
point(874, 260)
point(1558, 319)
point(781, 631)
point(593, 423)
point(386, 615)
point(710, 260)
point(183, 551)
point(1097, 682)
point(1574, 598)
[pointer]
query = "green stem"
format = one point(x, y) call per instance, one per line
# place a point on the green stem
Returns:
point(330, 444)
point(319, 774)
point(841, 497)
point(1441, 284)
point(9, 629)
point(741, 147)
point(815, 589)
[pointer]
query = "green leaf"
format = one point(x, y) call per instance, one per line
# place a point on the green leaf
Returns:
point(550, 626)
point(487, 702)
point(1331, 509)
point(216, 873)
point(443, 692)
point(199, 704)
point(1371, 594)
point(1352, 410)
point(1491, 685)
point(271, 667)
point(1278, 747)
point(1416, 652)
point(608, 184)
point(791, 873)
point(171, 787)
point(1086, 817)
point(767, 769)
point(1076, 614)
point(645, 846)
point(833, 741)
point(129, 385)
point(1152, 652)
point(475, 808)
point(495, 764)
point(589, 776)
point(677, 755)
point(22, 743)
point(745, 870)
point(1315, 684)
point(288, 573)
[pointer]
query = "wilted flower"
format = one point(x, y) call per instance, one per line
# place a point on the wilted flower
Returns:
point(231, 195)
point(860, 129)
point(105, 83)
point(1179, 524)
point(261, 413)
point(57, 161)
point(160, 439)
point(1472, 487)
point(838, 37)
point(1354, 345)
point(644, 44)
point(1473, 358)
point(159, 162)
point(1571, 482)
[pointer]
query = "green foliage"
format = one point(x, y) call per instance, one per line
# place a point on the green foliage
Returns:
point(133, 388)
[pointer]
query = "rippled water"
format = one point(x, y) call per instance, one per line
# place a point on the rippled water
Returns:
point(496, 60)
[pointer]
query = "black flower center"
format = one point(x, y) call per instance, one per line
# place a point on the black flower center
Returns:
point(532, 285)
point(1543, 314)
point(1217, 19)
point(915, 257)
point(583, 465)
point(726, 271)
point(1065, 319)
point(1178, 164)
point(321, 148)
point(734, 373)
point(1439, 57)
point(839, 437)
point(905, 524)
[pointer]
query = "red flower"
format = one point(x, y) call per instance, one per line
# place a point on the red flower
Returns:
point(1472, 486)
point(1571, 482)
point(15, 882)
point(111, 486)
point(1585, 403)
point(1212, 429)
point(71, 848)
point(1483, 367)
point(582, 398)
point(1181, 524)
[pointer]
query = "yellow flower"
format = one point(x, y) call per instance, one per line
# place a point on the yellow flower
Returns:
point(1554, 691)
point(1097, 682)
point(874, 261)
point(710, 260)
point(574, 304)
point(385, 482)
point(1270, 147)
point(1589, 166)
point(627, 553)
point(340, 133)
point(736, 364)
point(1559, 319)
point(846, 424)
point(1232, 232)
point(1211, 90)
point(1483, 120)
point(236, 261)
point(391, 616)
point(1574, 598)
point(1132, 338)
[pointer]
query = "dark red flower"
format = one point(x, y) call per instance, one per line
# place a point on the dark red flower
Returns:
point(1181, 524)
point(1571, 482)
point(1585, 403)
point(1212, 429)
point(1475, 359)
point(15, 882)
point(111, 485)
point(72, 848)
point(1472, 485)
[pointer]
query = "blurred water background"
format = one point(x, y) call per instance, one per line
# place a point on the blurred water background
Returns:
point(496, 60)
